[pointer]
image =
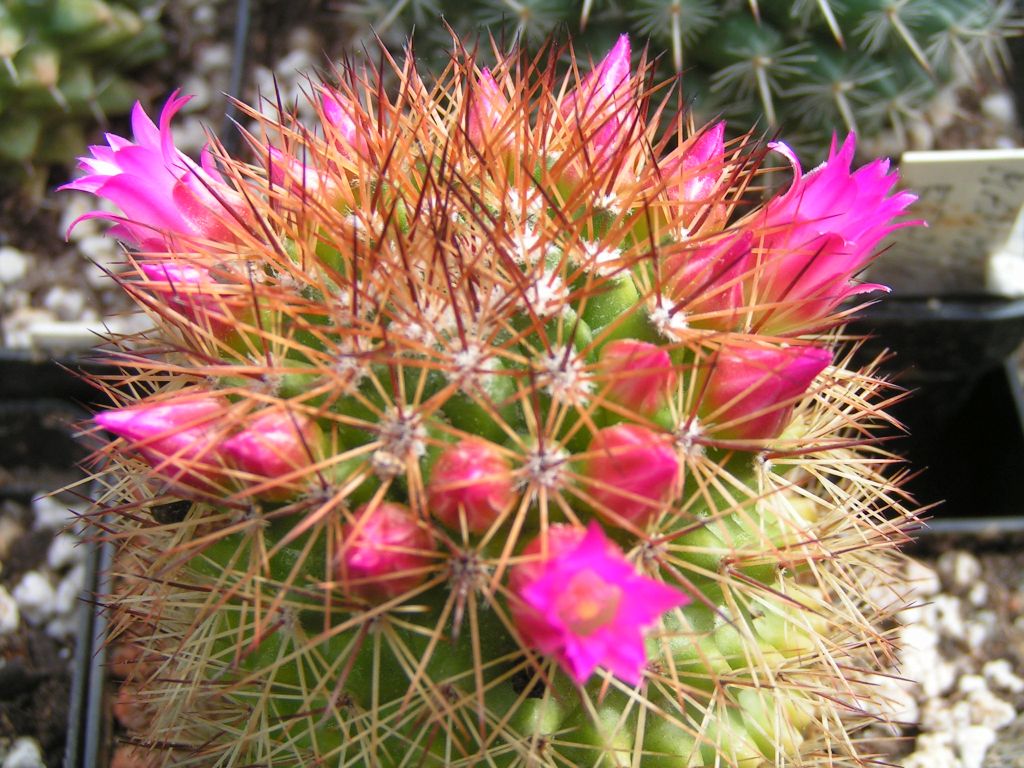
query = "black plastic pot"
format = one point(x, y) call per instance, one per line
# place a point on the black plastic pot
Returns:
point(31, 375)
point(965, 415)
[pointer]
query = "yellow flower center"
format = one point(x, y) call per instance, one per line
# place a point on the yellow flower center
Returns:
point(588, 603)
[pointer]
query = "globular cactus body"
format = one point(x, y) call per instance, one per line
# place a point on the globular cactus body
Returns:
point(512, 433)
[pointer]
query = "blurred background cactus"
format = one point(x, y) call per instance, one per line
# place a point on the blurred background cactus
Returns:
point(66, 68)
point(887, 69)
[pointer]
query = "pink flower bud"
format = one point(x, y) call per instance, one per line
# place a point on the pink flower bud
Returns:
point(470, 478)
point(638, 375)
point(190, 291)
point(385, 553)
point(299, 176)
point(750, 392)
point(631, 471)
point(177, 437)
point(340, 114)
point(488, 107)
point(691, 173)
point(603, 107)
point(585, 605)
point(275, 444)
point(707, 283)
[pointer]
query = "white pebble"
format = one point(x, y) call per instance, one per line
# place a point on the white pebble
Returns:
point(989, 710)
point(1001, 675)
point(933, 751)
point(69, 590)
point(920, 660)
point(76, 205)
point(62, 627)
point(14, 264)
point(36, 597)
point(972, 743)
point(101, 249)
point(923, 579)
point(65, 302)
point(65, 550)
point(944, 109)
point(19, 325)
point(204, 17)
point(24, 753)
point(199, 89)
point(949, 616)
point(979, 629)
point(999, 108)
point(10, 532)
point(213, 57)
point(978, 594)
point(972, 684)
point(962, 568)
point(51, 513)
point(9, 614)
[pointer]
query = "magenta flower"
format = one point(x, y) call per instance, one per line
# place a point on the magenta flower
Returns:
point(275, 444)
point(385, 553)
point(585, 604)
point(162, 193)
point(631, 470)
point(470, 478)
point(749, 392)
point(177, 437)
point(818, 234)
point(639, 375)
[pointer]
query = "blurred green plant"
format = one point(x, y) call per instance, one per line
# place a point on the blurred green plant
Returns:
point(802, 67)
point(65, 66)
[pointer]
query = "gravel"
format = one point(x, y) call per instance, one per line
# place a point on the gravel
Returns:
point(42, 575)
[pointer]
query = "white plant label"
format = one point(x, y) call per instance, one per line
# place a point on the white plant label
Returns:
point(974, 241)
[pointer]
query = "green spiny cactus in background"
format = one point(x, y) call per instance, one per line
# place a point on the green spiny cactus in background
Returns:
point(483, 424)
point(802, 67)
point(65, 68)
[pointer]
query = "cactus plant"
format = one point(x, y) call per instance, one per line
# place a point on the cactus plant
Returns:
point(483, 425)
point(64, 67)
point(796, 66)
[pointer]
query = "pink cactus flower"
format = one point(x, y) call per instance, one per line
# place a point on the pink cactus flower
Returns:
point(706, 283)
point(470, 478)
point(162, 193)
point(385, 553)
point(818, 234)
point(189, 290)
point(603, 108)
point(639, 375)
point(749, 392)
point(275, 444)
point(488, 107)
point(632, 470)
point(585, 604)
point(177, 437)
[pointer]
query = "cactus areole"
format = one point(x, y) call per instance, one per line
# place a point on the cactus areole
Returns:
point(513, 432)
